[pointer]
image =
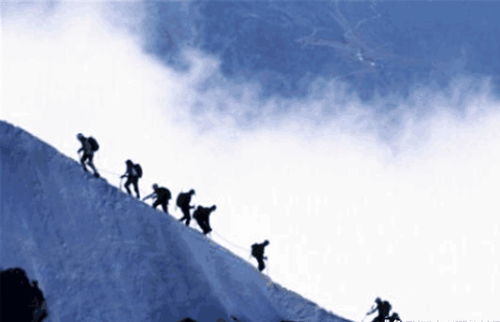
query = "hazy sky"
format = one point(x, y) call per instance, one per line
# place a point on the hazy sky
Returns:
point(356, 204)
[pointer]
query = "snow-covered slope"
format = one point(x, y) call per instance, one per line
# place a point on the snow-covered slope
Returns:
point(100, 255)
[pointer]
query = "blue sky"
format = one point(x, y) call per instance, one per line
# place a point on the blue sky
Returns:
point(270, 110)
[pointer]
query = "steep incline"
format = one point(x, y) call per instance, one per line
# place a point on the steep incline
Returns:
point(100, 255)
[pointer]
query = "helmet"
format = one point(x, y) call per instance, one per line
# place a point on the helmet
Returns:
point(155, 186)
point(128, 161)
point(192, 192)
point(79, 136)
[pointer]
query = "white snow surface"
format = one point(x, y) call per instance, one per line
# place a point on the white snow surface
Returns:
point(100, 255)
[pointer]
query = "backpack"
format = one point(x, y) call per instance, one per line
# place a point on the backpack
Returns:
point(256, 250)
point(181, 200)
point(93, 144)
point(138, 170)
point(385, 308)
point(197, 213)
point(163, 194)
point(201, 213)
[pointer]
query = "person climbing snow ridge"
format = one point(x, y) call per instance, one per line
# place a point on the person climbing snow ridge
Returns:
point(383, 308)
point(133, 174)
point(162, 196)
point(258, 253)
point(89, 147)
point(183, 201)
point(202, 217)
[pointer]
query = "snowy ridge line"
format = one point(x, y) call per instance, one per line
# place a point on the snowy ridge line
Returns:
point(235, 247)
point(101, 255)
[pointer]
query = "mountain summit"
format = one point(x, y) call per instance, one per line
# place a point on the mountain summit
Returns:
point(100, 255)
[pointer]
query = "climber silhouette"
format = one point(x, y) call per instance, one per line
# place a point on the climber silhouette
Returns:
point(258, 253)
point(394, 317)
point(383, 308)
point(162, 196)
point(133, 173)
point(88, 148)
point(183, 202)
point(202, 217)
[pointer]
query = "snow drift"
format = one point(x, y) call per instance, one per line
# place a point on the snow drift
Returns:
point(100, 255)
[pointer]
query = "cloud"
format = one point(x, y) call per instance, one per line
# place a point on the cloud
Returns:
point(356, 202)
